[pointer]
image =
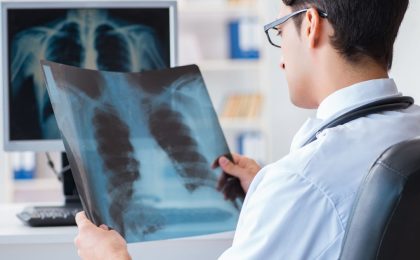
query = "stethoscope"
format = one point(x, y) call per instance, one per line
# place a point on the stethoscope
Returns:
point(387, 104)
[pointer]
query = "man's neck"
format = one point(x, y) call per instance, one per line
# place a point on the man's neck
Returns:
point(342, 74)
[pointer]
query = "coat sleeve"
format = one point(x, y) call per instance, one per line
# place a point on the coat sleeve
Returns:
point(286, 217)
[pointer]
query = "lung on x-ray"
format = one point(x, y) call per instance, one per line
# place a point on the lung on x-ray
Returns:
point(111, 39)
point(141, 147)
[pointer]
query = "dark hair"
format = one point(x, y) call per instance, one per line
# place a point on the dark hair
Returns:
point(361, 27)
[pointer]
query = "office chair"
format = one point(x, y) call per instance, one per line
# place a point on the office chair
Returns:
point(385, 221)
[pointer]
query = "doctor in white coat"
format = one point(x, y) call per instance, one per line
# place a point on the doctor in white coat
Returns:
point(336, 55)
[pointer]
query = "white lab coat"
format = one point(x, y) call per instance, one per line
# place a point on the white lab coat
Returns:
point(298, 207)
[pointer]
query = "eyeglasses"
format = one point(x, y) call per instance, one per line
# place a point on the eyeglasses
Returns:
point(273, 32)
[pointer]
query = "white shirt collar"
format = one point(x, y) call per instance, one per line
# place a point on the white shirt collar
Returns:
point(342, 101)
point(356, 95)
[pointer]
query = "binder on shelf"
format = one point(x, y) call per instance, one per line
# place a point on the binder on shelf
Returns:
point(243, 41)
point(243, 106)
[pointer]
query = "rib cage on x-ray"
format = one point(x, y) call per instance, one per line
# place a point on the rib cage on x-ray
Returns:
point(117, 156)
point(84, 38)
point(112, 135)
point(148, 141)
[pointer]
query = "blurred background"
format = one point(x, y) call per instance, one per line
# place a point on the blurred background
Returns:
point(225, 38)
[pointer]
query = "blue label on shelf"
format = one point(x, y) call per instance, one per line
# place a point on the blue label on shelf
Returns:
point(23, 174)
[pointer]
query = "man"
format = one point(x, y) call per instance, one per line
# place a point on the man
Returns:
point(336, 56)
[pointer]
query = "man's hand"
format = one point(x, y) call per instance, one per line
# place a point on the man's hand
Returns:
point(94, 242)
point(243, 168)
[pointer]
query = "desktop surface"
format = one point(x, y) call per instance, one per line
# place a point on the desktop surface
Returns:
point(19, 241)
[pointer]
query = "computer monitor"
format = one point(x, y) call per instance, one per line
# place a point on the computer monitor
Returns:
point(114, 36)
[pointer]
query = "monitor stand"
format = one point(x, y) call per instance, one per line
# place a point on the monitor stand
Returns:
point(71, 196)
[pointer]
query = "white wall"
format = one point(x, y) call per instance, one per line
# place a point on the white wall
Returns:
point(286, 119)
point(406, 65)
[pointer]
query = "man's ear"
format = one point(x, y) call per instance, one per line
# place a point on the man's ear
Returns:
point(312, 27)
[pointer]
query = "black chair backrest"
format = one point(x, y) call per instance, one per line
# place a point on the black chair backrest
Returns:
point(385, 221)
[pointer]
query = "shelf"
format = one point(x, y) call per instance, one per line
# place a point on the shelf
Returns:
point(229, 65)
point(241, 124)
point(37, 184)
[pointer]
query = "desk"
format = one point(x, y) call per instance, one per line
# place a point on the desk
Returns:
point(18, 241)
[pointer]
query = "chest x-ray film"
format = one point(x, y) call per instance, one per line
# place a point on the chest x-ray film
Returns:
point(141, 147)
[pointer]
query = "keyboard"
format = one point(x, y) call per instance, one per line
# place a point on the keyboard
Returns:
point(47, 216)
